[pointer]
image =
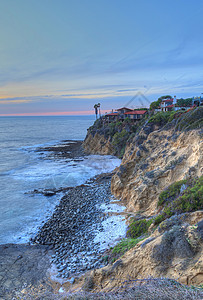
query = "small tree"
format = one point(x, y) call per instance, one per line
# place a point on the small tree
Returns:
point(155, 104)
point(127, 120)
point(165, 97)
point(184, 102)
point(96, 109)
point(98, 105)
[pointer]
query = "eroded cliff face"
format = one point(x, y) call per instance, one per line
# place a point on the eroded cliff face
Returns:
point(153, 162)
point(173, 250)
point(164, 254)
point(98, 144)
point(157, 157)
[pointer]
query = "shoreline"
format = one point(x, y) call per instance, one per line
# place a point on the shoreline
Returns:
point(75, 229)
point(74, 224)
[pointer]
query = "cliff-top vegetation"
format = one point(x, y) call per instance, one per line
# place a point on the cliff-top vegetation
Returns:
point(120, 133)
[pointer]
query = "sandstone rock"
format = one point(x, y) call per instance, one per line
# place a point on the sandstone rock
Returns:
point(98, 144)
point(141, 178)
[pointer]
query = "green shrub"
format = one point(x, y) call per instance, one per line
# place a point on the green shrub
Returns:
point(191, 199)
point(195, 125)
point(191, 120)
point(160, 118)
point(112, 127)
point(172, 115)
point(184, 102)
point(119, 124)
point(172, 191)
point(98, 123)
point(120, 138)
point(122, 152)
point(155, 104)
point(134, 128)
point(119, 249)
point(138, 228)
point(127, 120)
point(125, 245)
point(159, 219)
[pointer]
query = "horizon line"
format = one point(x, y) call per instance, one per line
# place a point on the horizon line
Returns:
point(38, 114)
point(60, 113)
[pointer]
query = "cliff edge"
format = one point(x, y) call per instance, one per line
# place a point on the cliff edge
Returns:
point(160, 180)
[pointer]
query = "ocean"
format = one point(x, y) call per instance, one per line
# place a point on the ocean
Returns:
point(22, 170)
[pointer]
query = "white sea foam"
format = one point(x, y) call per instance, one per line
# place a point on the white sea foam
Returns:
point(112, 207)
point(25, 212)
point(21, 170)
point(56, 174)
point(114, 227)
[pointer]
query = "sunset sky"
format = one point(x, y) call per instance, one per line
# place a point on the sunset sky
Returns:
point(63, 56)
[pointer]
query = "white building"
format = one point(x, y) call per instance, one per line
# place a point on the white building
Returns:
point(170, 104)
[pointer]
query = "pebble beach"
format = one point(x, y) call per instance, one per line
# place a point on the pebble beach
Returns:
point(75, 229)
point(86, 222)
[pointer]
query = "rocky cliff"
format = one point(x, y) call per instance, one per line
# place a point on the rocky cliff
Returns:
point(157, 154)
point(110, 138)
point(154, 161)
point(160, 181)
point(98, 144)
point(173, 251)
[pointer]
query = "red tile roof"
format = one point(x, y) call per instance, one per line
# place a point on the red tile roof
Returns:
point(125, 108)
point(167, 100)
point(136, 112)
point(172, 105)
point(112, 114)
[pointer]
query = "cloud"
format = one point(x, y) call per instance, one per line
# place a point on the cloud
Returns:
point(20, 101)
point(86, 95)
point(183, 55)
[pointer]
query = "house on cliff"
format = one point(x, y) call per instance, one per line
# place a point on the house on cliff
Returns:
point(170, 104)
point(135, 114)
point(198, 101)
point(119, 114)
point(166, 104)
point(112, 116)
point(124, 112)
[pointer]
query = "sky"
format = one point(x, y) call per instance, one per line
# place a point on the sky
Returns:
point(60, 57)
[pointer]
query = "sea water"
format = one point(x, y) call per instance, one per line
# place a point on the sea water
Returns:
point(22, 170)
